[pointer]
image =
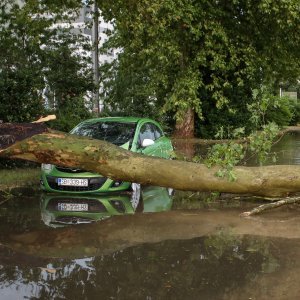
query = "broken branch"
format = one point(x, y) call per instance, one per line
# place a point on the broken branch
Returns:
point(264, 207)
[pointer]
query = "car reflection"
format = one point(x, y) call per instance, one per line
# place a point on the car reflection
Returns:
point(59, 210)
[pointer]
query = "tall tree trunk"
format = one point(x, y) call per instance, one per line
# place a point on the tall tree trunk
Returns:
point(185, 128)
point(186, 147)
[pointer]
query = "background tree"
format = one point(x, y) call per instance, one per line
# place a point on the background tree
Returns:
point(68, 77)
point(204, 57)
point(35, 54)
point(20, 80)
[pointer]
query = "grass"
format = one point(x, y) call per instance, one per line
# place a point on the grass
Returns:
point(19, 177)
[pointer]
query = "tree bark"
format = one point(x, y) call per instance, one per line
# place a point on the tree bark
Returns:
point(35, 142)
point(268, 206)
point(186, 127)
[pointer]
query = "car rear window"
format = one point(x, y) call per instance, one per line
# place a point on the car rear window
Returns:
point(114, 132)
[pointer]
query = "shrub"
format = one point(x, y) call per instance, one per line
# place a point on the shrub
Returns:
point(280, 110)
point(69, 116)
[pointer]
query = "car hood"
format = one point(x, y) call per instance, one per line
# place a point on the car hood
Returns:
point(125, 146)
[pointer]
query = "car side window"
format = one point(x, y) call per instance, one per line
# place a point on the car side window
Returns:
point(146, 132)
point(157, 132)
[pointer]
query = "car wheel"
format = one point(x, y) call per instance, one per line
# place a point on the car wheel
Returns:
point(135, 194)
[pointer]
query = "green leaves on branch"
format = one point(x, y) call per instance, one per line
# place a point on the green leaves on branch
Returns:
point(225, 156)
point(228, 155)
point(260, 142)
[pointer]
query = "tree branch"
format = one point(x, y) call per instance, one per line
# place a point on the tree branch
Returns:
point(45, 119)
point(264, 207)
point(11, 133)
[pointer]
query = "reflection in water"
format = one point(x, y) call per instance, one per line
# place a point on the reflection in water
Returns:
point(172, 268)
point(26, 275)
point(172, 255)
point(220, 266)
point(288, 149)
point(58, 210)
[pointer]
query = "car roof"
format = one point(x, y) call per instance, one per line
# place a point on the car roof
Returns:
point(118, 119)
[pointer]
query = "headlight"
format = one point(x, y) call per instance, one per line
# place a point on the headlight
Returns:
point(47, 167)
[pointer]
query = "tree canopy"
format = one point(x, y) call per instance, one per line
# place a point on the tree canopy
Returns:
point(204, 56)
point(203, 62)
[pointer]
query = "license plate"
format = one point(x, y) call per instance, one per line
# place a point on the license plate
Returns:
point(72, 182)
point(73, 206)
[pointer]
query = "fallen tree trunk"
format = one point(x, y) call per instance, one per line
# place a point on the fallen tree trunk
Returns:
point(35, 142)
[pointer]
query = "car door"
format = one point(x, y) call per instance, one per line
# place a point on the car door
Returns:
point(147, 132)
point(162, 143)
point(162, 146)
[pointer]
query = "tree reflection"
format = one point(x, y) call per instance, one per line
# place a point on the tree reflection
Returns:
point(202, 267)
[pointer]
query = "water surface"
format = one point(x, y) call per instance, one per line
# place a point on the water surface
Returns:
point(160, 247)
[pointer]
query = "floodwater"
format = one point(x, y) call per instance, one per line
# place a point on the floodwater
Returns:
point(157, 247)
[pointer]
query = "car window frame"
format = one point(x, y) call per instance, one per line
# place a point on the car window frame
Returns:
point(139, 141)
point(157, 128)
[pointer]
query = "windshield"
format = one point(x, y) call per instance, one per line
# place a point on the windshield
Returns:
point(114, 132)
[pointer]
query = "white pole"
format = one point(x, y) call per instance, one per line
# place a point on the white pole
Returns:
point(95, 41)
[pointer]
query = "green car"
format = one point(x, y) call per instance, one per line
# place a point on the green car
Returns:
point(139, 135)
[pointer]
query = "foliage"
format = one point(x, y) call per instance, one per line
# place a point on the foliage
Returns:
point(66, 88)
point(260, 143)
point(225, 118)
point(228, 155)
point(296, 113)
point(266, 109)
point(19, 55)
point(125, 96)
point(72, 76)
point(206, 55)
point(281, 112)
point(70, 115)
point(269, 108)
point(34, 54)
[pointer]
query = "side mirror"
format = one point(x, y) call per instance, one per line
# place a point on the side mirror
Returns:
point(147, 142)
